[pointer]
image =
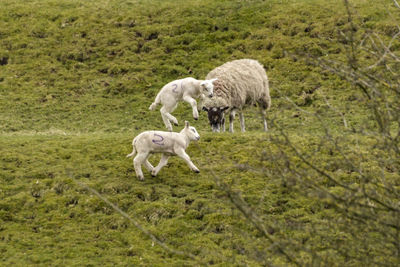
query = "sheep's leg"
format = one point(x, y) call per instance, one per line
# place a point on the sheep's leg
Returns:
point(231, 118)
point(137, 163)
point(263, 114)
point(182, 154)
point(223, 124)
point(241, 119)
point(163, 162)
point(264, 104)
point(193, 103)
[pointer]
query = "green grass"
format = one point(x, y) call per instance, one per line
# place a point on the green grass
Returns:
point(48, 218)
point(70, 63)
point(76, 80)
point(43, 205)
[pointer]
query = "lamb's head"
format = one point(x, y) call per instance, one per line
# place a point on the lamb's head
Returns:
point(207, 87)
point(215, 108)
point(190, 132)
point(215, 117)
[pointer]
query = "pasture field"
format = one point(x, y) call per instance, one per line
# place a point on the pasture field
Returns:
point(76, 81)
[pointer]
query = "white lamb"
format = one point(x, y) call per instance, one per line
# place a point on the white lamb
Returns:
point(187, 89)
point(167, 143)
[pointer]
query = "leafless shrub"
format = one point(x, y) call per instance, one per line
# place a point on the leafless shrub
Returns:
point(360, 182)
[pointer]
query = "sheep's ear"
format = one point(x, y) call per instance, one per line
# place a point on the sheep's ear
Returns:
point(213, 80)
point(186, 124)
point(205, 109)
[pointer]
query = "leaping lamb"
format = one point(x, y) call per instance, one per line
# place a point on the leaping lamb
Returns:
point(167, 143)
point(187, 89)
point(240, 83)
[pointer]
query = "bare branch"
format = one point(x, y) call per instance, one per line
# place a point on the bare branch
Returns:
point(337, 111)
point(249, 214)
point(139, 226)
point(396, 4)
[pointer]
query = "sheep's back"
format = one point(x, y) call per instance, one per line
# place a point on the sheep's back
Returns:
point(241, 82)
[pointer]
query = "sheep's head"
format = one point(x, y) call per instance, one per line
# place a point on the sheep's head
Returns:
point(191, 132)
point(207, 87)
point(216, 117)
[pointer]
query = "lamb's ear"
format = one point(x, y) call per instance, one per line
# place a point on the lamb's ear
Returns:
point(186, 124)
point(223, 108)
point(205, 109)
point(213, 80)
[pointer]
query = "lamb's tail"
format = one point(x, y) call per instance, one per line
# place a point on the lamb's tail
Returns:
point(154, 104)
point(134, 149)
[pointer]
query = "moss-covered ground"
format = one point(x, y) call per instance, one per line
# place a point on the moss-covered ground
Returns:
point(76, 80)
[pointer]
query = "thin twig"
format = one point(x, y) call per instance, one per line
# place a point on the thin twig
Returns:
point(396, 4)
point(139, 226)
point(249, 214)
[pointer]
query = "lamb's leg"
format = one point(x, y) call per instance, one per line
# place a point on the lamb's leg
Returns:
point(241, 119)
point(148, 165)
point(163, 162)
point(193, 103)
point(223, 124)
point(167, 117)
point(137, 163)
point(231, 118)
point(217, 129)
point(169, 102)
point(182, 154)
point(172, 118)
point(200, 104)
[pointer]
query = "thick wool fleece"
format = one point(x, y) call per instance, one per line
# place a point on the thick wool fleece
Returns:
point(240, 82)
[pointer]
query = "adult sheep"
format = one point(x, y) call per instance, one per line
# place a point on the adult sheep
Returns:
point(240, 83)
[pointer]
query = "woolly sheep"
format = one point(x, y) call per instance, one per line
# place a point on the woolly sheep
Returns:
point(167, 143)
point(240, 83)
point(187, 89)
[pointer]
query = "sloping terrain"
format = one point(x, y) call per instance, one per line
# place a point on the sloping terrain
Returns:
point(76, 80)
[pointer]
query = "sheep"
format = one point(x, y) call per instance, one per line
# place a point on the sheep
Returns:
point(240, 83)
point(187, 89)
point(167, 143)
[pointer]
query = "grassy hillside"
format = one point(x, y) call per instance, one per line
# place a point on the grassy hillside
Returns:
point(76, 80)
point(85, 66)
